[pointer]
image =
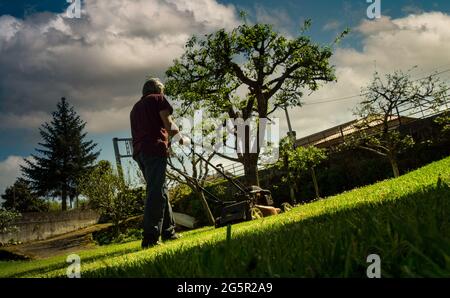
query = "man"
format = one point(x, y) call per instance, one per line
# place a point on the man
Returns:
point(151, 126)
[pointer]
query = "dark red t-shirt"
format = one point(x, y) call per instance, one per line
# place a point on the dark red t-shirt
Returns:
point(147, 128)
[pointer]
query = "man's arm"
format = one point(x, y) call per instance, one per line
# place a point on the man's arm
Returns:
point(171, 127)
point(168, 122)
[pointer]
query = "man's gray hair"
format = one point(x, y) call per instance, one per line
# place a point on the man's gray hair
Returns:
point(153, 86)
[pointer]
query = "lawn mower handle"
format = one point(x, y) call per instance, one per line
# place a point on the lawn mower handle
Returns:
point(239, 187)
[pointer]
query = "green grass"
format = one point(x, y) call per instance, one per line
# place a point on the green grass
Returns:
point(405, 221)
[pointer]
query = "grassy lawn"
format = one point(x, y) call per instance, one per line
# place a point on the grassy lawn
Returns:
point(406, 221)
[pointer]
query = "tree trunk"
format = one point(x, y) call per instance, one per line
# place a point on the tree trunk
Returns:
point(208, 212)
point(116, 227)
point(394, 165)
point(64, 197)
point(316, 185)
point(292, 183)
point(250, 161)
point(292, 194)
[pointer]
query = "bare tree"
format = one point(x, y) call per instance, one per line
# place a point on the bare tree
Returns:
point(380, 108)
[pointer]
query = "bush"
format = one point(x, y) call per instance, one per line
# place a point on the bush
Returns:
point(109, 195)
point(83, 204)
point(7, 219)
point(135, 198)
point(54, 206)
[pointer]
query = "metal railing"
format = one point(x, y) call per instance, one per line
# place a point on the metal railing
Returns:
point(406, 114)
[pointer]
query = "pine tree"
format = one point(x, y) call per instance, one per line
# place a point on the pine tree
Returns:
point(19, 197)
point(64, 158)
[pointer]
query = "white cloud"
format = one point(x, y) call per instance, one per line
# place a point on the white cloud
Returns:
point(9, 171)
point(8, 27)
point(209, 13)
point(332, 25)
point(106, 120)
point(278, 17)
point(388, 45)
point(382, 24)
point(97, 62)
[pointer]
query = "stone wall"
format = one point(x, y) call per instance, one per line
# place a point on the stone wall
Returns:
point(40, 225)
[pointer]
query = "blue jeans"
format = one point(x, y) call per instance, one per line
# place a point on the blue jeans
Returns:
point(158, 217)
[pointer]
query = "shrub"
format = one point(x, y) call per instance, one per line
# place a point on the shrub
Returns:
point(109, 195)
point(7, 219)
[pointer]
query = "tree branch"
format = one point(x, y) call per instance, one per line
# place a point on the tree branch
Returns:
point(280, 80)
point(227, 157)
point(241, 76)
point(372, 150)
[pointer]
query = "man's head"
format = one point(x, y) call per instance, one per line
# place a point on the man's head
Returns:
point(153, 86)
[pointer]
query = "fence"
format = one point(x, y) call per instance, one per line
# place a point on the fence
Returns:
point(406, 115)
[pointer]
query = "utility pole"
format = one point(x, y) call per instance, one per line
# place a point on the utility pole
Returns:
point(117, 154)
point(292, 135)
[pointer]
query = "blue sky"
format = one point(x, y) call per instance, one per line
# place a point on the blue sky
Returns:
point(43, 58)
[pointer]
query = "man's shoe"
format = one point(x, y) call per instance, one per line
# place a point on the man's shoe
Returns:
point(174, 236)
point(147, 243)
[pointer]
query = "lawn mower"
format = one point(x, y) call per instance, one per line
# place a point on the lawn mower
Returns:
point(248, 202)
